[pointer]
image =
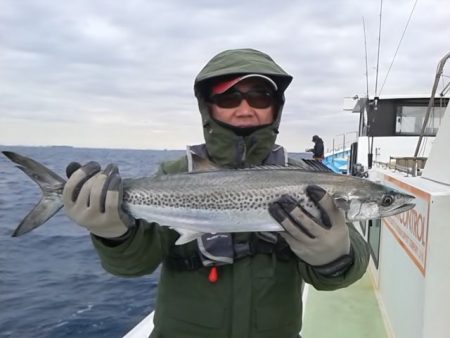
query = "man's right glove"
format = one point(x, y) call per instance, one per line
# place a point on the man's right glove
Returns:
point(322, 243)
point(93, 198)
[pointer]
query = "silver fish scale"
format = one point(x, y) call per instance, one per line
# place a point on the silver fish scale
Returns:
point(247, 189)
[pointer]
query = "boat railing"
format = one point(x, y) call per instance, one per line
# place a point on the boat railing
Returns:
point(410, 165)
point(340, 147)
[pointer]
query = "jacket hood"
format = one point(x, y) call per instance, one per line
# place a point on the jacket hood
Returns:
point(223, 145)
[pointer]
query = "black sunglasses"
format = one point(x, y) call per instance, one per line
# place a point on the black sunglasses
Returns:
point(256, 98)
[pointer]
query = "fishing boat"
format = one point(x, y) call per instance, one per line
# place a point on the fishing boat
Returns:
point(402, 141)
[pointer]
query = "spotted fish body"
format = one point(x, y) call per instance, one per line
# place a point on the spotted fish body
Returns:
point(221, 200)
point(237, 200)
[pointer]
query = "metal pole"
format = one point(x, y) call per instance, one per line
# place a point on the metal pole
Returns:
point(343, 147)
point(333, 147)
point(431, 102)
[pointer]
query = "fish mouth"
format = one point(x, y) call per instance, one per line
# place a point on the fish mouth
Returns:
point(399, 209)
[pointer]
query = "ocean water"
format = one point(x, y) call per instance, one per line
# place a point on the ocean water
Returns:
point(51, 280)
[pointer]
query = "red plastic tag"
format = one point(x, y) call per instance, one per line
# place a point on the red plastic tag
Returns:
point(213, 276)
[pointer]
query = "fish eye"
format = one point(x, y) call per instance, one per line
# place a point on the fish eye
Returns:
point(387, 200)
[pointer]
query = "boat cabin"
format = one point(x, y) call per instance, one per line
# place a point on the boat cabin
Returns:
point(390, 129)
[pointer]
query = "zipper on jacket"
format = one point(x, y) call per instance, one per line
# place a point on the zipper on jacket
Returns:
point(241, 152)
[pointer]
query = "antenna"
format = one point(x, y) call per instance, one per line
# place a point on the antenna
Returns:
point(398, 47)
point(378, 53)
point(365, 48)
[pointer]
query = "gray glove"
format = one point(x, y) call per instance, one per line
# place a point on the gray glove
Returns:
point(93, 197)
point(320, 243)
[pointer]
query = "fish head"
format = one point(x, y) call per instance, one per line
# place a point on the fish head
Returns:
point(381, 201)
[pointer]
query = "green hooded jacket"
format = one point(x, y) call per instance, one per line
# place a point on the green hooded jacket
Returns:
point(225, 148)
point(256, 297)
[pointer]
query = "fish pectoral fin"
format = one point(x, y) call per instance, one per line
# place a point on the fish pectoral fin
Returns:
point(341, 202)
point(186, 236)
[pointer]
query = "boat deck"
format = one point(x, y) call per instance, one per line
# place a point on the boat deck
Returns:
point(352, 312)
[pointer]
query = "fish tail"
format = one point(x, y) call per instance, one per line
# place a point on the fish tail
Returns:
point(51, 185)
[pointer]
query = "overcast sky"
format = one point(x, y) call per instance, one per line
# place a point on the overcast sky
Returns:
point(119, 74)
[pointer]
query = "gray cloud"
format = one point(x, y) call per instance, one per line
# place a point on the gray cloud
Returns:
point(134, 63)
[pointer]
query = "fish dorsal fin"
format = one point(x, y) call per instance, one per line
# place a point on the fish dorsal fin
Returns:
point(295, 166)
point(309, 165)
point(264, 167)
point(305, 165)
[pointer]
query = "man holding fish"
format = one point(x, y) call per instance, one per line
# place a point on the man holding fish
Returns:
point(226, 284)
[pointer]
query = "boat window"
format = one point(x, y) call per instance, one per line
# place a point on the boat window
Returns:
point(409, 120)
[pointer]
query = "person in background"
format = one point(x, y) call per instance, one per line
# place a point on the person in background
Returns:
point(228, 285)
point(318, 150)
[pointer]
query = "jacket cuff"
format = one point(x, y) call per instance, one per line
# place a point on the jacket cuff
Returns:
point(337, 267)
point(116, 241)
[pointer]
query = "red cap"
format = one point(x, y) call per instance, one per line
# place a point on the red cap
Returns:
point(223, 86)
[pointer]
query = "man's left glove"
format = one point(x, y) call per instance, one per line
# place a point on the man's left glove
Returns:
point(323, 244)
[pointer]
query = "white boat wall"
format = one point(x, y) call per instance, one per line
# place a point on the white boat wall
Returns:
point(410, 265)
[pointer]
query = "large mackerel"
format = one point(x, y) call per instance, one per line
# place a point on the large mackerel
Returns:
point(221, 200)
